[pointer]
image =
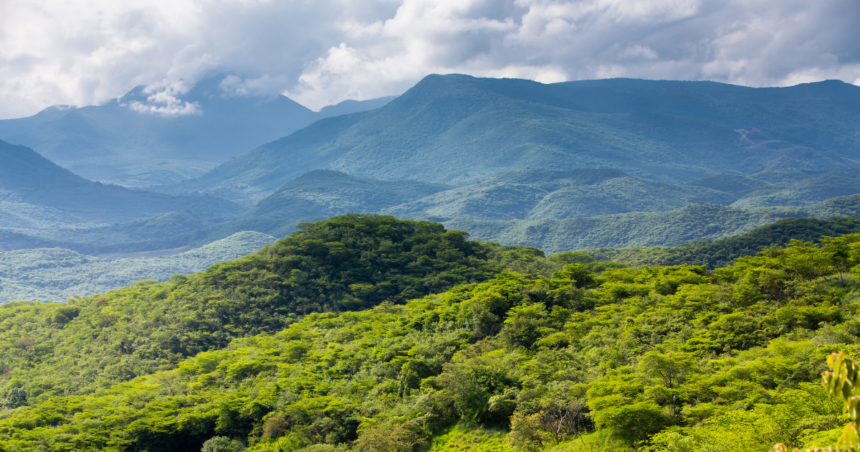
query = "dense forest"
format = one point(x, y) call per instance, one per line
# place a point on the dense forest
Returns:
point(369, 333)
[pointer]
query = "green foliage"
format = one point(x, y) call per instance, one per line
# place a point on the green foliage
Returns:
point(674, 358)
point(222, 444)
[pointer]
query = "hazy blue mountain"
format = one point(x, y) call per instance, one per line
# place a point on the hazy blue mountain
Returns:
point(115, 143)
point(56, 274)
point(460, 130)
point(36, 193)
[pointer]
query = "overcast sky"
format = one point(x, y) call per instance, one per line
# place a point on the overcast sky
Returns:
point(320, 52)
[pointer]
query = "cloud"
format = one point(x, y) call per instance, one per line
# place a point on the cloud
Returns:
point(164, 101)
point(322, 52)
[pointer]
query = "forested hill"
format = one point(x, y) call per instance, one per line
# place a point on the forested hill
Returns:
point(34, 190)
point(346, 263)
point(598, 357)
point(457, 129)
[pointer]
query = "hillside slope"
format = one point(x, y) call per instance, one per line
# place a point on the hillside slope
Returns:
point(34, 188)
point(324, 193)
point(674, 227)
point(531, 194)
point(459, 130)
point(723, 252)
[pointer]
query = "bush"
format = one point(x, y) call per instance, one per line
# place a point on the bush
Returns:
point(222, 444)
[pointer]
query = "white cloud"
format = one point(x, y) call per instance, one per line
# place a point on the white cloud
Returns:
point(164, 101)
point(322, 52)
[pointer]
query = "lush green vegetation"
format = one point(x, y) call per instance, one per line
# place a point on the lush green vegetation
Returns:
point(674, 227)
point(56, 274)
point(598, 356)
point(461, 130)
point(347, 263)
point(723, 252)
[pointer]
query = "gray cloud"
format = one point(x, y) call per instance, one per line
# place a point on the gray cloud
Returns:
point(326, 51)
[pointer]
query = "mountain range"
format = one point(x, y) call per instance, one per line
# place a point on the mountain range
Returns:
point(136, 140)
point(608, 163)
point(460, 130)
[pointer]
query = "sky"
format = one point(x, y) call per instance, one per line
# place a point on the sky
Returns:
point(320, 52)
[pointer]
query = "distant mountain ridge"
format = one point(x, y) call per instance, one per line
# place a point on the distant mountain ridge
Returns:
point(723, 252)
point(460, 130)
point(115, 143)
point(34, 190)
point(669, 228)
